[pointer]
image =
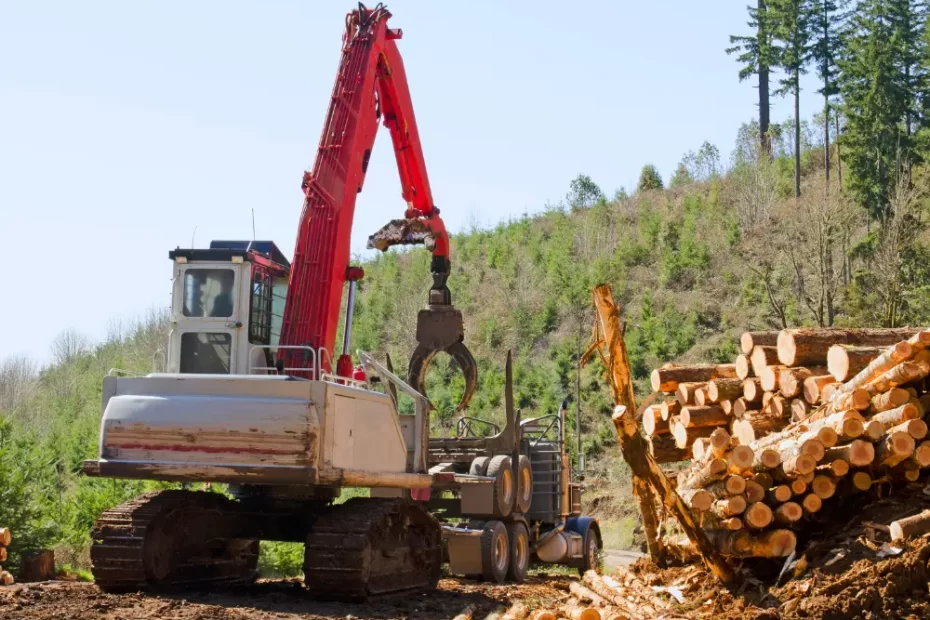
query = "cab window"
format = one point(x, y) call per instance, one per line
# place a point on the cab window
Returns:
point(209, 292)
point(205, 353)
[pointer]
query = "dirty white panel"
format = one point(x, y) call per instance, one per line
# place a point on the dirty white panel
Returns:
point(366, 435)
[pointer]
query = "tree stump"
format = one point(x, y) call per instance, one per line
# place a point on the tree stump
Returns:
point(38, 565)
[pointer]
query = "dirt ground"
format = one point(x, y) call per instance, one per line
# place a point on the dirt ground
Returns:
point(265, 600)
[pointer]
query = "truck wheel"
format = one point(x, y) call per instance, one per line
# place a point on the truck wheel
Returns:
point(495, 552)
point(519, 552)
point(524, 485)
point(501, 470)
point(592, 551)
point(479, 466)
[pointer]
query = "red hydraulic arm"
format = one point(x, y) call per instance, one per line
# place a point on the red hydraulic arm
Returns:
point(371, 85)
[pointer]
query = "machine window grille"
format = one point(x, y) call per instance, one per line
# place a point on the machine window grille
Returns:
point(261, 304)
point(209, 292)
point(206, 353)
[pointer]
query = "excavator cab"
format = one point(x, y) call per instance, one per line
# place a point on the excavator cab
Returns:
point(226, 309)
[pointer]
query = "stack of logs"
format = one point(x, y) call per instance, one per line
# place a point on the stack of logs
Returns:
point(5, 577)
point(615, 597)
point(800, 416)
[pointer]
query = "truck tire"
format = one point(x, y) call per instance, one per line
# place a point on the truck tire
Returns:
point(479, 466)
point(524, 485)
point(495, 552)
point(519, 552)
point(504, 488)
point(591, 560)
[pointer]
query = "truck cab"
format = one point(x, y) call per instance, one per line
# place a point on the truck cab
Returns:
point(226, 308)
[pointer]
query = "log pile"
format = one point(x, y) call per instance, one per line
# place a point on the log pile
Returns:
point(801, 416)
point(6, 578)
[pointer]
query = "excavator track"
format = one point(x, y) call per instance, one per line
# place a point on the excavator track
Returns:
point(371, 547)
point(170, 538)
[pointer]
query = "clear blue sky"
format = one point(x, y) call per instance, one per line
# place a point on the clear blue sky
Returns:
point(125, 125)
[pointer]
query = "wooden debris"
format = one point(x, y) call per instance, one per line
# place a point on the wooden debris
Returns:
point(918, 525)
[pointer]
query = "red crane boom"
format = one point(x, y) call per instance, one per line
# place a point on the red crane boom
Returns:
point(371, 86)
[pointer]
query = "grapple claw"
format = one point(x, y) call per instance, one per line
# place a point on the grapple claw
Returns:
point(440, 328)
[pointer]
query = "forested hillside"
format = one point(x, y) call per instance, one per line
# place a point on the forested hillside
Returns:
point(819, 222)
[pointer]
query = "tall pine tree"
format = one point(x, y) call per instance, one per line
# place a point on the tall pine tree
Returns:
point(757, 56)
point(826, 21)
point(873, 104)
point(791, 21)
point(909, 18)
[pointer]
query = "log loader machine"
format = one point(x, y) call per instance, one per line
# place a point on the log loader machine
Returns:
point(249, 397)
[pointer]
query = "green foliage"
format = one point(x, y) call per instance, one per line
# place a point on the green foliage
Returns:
point(281, 559)
point(584, 193)
point(649, 179)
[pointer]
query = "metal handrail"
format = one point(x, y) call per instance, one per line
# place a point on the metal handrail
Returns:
point(463, 426)
point(313, 370)
point(553, 423)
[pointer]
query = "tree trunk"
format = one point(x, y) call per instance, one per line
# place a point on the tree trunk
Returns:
point(896, 447)
point(670, 408)
point(770, 377)
point(663, 450)
point(762, 357)
point(763, 88)
point(770, 544)
point(653, 424)
point(893, 417)
point(791, 380)
point(814, 385)
point(888, 360)
point(685, 436)
point(797, 137)
point(779, 494)
point(858, 453)
point(724, 389)
point(895, 397)
point(758, 516)
point(743, 366)
point(845, 360)
point(918, 525)
point(694, 416)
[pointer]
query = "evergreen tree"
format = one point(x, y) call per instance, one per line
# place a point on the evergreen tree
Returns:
point(649, 179)
point(909, 19)
point(873, 104)
point(757, 55)
point(791, 24)
point(826, 21)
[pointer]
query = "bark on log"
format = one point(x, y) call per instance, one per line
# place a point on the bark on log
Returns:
point(846, 424)
point(796, 466)
point(750, 340)
point(731, 485)
point(762, 357)
point(720, 441)
point(915, 428)
point(752, 390)
point(898, 415)
point(670, 408)
point(578, 611)
point(845, 361)
point(729, 506)
point(895, 448)
point(799, 409)
point(769, 544)
point(857, 453)
point(885, 362)
point(724, 389)
point(860, 399)
point(903, 373)
point(743, 367)
point(813, 387)
point(753, 491)
point(663, 450)
point(918, 525)
point(685, 436)
point(791, 380)
point(715, 469)
point(695, 416)
point(765, 479)
point(38, 565)
point(895, 397)
point(922, 454)
point(667, 379)
point(686, 393)
point(780, 494)
point(809, 346)
point(585, 594)
point(701, 398)
point(757, 516)
point(765, 459)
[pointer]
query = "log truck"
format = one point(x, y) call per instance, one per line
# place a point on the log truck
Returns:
point(250, 397)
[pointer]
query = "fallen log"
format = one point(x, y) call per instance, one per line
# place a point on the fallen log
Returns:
point(922, 455)
point(761, 358)
point(724, 389)
point(788, 513)
point(918, 525)
point(752, 390)
point(798, 486)
point(686, 393)
point(857, 453)
point(653, 424)
point(685, 436)
point(727, 406)
point(517, 611)
point(750, 340)
point(764, 479)
point(663, 449)
point(758, 516)
point(780, 494)
point(770, 377)
point(729, 506)
point(696, 416)
point(765, 459)
point(740, 458)
point(715, 469)
point(701, 397)
point(811, 503)
point(823, 486)
point(895, 397)
point(813, 387)
point(741, 407)
point(915, 428)
point(903, 373)
point(791, 380)
point(885, 362)
point(578, 611)
point(5, 537)
point(861, 480)
point(896, 447)
point(731, 485)
point(873, 431)
point(667, 379)
point(769, 544)
point(743, 367)
point(585, 594)
point(837, 468)
point(844, 361)
point(898, 415)
point(860, 399)
point(809, 346)
point(670, 408)
point(799, 409)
